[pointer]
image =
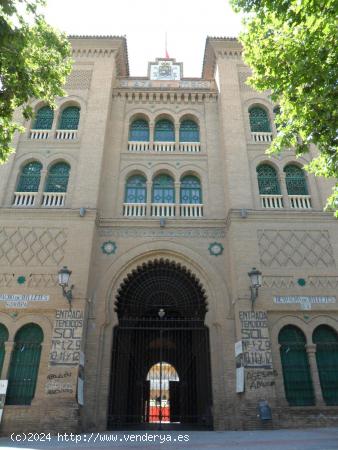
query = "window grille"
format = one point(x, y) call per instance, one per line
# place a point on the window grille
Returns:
point(44, 119)
point(189, 131)
point(136, 190)
point(259, 120)
point(164, 131)
point(24, 365)
point(70, 118)
point(295, 180)
point(163, 189)
point(326, 340)
point(267, 180)
point(57, 178)
point(3, 339)
point(296, 371)
point(139, 131)
point(191, 190)
point(29, 180)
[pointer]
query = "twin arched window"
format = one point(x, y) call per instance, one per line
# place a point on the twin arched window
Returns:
point(24, 365)
point(69, 119)
point(268, 182)
point(259, 120)
point(164, 131)
point(56, 181)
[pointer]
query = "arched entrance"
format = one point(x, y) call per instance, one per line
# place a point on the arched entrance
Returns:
point(160, 375)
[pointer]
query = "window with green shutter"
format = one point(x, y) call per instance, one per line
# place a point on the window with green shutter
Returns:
point(326, 340)
point(163, 189)
point(136, 189)
point(259, 120)
point(189, 131)
point(295, 180)
point(3, 339)
point(57, 178)
point(267, 178)
point(191, 190)
point(24, 365)
point(29, 180)
point(70, 118)
point(139, 131)
point(296, 371)
point(164, 131)
point(43, 119)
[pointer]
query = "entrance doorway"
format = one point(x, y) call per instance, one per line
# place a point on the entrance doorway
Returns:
point(160, 376)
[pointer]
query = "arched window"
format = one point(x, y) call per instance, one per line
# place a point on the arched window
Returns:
point(296, 371)
point(57, 178)
point(70, 118)
point(24, 365)
point(3, 339)
point(139, 131)
point(259, 120)
point(191, 192)
point(163, 189)
point(29, 180)
point(295, 180)
point(189, 131)
point(326, 340)
point(267, 180)
point(164, 131)
point(136, 189)
point(43, 119)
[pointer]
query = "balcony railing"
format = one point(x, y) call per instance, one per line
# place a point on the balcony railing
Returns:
point(260, 136)
point(135, 146)
point(39, 134)
point(163, 209)
point(271, 201)
point(53, 199)
point(300, 201)
point(134, 209)
point(167, 147)
point(24, 198)
point(190, 147)
point(195, 210)
point(64, 135)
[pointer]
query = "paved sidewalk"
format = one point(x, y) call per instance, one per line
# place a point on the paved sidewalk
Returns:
point(309, 439)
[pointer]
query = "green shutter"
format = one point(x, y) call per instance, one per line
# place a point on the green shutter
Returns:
point(57, 178)
point(267, 180)
point(163, 189)
point(259, 120)
point(70, 118)
point(136, 190)
point(326, 340)
point(191, 190)
point(189, 131)
point(164, 131)
point(29, 180)
point(295, 180)
point(139, 131)
point(24, 365)
point(44, 119)
point(3, 339)
point(296, 371)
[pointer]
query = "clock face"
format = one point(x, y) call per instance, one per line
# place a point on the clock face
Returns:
point(165, 70)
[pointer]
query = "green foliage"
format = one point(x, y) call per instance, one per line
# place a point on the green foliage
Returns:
point(34, 63)
point(291, 46)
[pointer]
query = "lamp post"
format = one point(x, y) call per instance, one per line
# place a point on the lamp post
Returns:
point(64, 275)
point(256, 282)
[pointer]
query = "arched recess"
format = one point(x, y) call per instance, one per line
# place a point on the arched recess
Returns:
point(164, 131)
point(163, 189)
point(259, 120)
point(57, 177)
point(296, 370)
point(29, 180)
point(43, 118)
point(139, 130)
point(295, 180)
point(69, 119)
point(3, 339)
point(190, 190)
point(326, 340)
point(136, 189)
point(24, 365)
point(189, 131)
point(267, 178)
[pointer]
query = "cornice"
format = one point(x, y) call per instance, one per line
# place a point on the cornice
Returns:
point(36, 214)
point(173, 95)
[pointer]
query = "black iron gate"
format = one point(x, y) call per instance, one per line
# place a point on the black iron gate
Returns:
point(160, 375)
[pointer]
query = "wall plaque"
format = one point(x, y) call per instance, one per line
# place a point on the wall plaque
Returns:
point(304, 301)
point(21, 300)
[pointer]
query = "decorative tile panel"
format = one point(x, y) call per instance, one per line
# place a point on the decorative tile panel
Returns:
point(34, 246)
point(295, 248)
point(37, 280)
point(79, 79)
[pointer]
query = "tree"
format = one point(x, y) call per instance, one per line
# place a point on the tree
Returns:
point(291, 46)
point(34, 63)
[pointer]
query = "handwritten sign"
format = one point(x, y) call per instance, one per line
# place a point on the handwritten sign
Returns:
point(66, 338)
point(61, 383)
point(21, 300)
point(305, 302)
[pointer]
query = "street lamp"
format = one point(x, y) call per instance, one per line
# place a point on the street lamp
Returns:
point(64, 275)
point(256, 282)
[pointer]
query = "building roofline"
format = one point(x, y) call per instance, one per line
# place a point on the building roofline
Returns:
point(209, 59)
